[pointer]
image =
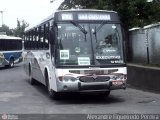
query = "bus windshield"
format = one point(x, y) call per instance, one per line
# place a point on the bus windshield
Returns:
point(89, 44)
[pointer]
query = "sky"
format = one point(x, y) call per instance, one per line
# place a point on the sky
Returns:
point(31, 11)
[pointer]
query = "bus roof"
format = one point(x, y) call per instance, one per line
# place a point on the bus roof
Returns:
point(70, 10)
point(9, 37)
point(83, 10)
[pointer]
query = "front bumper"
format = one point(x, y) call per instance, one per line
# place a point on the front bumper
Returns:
point(89, 87)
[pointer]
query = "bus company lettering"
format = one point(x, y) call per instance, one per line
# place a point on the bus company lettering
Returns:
point(107, 57)
point(117, 61)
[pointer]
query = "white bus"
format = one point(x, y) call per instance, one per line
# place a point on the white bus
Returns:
point(77, 51)
point(10, 50)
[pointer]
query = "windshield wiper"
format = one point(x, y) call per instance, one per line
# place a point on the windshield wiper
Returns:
point(81, 28)
point(99, 27)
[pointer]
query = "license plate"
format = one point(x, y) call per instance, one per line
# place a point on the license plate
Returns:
point(117, 83)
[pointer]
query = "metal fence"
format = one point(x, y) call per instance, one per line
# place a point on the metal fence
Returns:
point(144, 44)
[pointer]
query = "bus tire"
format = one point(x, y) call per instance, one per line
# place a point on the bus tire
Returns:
point(11, 63)
point(52, 94)
point(32, 81)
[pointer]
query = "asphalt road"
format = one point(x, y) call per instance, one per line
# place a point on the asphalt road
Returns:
point(17, 96)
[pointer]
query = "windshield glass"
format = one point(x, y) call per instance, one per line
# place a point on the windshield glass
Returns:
point(88, 44)
point(108, 45)
point(74, 46)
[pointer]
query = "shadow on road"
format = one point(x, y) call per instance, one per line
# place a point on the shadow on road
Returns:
point(5, 68)
point(89, 99)
point(78, 98)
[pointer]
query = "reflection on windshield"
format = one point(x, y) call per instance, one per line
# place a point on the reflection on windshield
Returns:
point(76, 46)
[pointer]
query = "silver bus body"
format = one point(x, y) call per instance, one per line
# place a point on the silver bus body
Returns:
point(64, 70)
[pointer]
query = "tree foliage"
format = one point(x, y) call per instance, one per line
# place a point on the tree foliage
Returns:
point(18, 31)
point(6, 29)
point(136, 12)
point(72, 4)
point(21, 25)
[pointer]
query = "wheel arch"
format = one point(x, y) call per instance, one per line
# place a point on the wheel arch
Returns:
point(11, 57)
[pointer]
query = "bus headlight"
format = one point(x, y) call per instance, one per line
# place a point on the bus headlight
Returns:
point(67, 79)
point(1, 58)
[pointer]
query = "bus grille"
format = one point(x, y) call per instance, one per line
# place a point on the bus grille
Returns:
point(94, 79)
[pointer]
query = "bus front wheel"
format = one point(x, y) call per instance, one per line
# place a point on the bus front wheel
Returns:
point(31, 80)
point(52, 94)
point(11, 63)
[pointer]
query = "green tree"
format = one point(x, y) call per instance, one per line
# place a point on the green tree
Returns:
point(6, 29)
point(72, 4)
point(19, 30)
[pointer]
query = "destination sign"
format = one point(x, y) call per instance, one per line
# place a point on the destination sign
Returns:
point(67, 16)
point(90, 16)
point(85, 16)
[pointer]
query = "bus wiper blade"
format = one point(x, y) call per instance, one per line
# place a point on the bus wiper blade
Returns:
point(80, 27)
point(99, 27)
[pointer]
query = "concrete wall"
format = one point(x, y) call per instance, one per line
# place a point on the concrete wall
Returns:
point(146, 78)
point(144, 44)
point(137, 46)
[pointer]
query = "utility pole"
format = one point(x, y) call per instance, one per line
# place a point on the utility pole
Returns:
point(2, 16)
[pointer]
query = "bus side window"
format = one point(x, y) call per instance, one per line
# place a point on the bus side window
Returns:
point(34, 39)
point(46, 36)
point(37, 38)
point(6, 46)
point(27, 41)
point(42, 37)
